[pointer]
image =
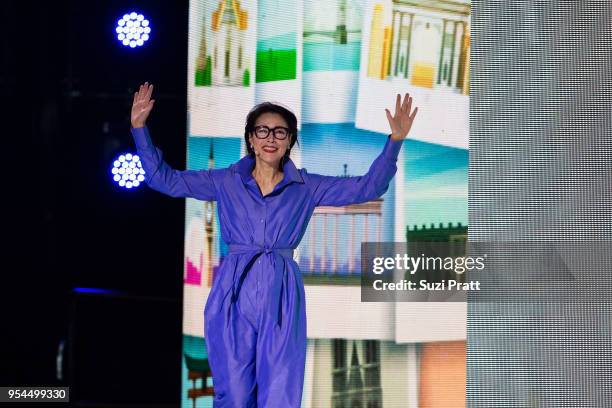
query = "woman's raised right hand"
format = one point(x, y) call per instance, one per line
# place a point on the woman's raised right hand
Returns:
point(142, 105)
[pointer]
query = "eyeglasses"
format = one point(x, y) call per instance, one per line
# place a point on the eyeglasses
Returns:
point(279, 132)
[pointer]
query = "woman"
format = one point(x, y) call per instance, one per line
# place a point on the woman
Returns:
point(255, 315)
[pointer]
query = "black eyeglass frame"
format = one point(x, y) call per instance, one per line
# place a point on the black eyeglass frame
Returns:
point(273, 130)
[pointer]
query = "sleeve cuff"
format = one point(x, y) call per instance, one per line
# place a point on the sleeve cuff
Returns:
point(392, 148)
point(142, 137)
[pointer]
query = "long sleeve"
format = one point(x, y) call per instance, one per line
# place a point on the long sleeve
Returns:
point(199, 184)
point(338, 191)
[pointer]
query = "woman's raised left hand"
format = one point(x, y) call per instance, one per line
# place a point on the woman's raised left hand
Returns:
point(401, 122)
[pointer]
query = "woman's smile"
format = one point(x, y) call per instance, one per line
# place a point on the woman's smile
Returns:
point(270, 149)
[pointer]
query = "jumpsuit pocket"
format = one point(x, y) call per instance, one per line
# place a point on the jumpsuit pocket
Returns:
point(221, 288)
point(214, 303)
point(213, 306)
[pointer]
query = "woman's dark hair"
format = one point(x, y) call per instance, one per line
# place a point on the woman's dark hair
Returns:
point(266, 107)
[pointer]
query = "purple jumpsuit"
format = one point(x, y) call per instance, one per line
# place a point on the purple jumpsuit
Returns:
point(255, 315)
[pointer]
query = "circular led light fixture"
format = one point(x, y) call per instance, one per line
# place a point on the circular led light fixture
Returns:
point(127, 171)
point(133, 30)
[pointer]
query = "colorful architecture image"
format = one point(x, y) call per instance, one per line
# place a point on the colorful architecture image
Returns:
point(201, 239)
point(332, 35)
point(421, 47)
point(225, 62)
point(427, 43)
point(331, 52)
point(276, 41)
point(373, 373)
point(333, 62)
point(221, 66)
point(330, 249)
point(279, 55)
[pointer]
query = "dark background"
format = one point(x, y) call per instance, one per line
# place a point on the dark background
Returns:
point(66, 86)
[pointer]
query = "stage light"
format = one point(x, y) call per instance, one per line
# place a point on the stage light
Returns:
point(127, 171)
point(97, 291)
point(133, 30)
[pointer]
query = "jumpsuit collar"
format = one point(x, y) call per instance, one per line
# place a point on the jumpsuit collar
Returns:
point(290, 172)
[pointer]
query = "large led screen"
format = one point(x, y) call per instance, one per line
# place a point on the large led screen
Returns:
point(337, 64)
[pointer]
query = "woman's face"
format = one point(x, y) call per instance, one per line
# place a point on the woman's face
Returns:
point(270, 149)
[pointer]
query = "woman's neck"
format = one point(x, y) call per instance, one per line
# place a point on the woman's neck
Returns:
point(265, 173)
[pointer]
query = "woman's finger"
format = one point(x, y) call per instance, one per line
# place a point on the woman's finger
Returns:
point(408, 105)
point(150, 92)
point(414, 113)
point(389, 117)
point(397, 104)
point(145, 96)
